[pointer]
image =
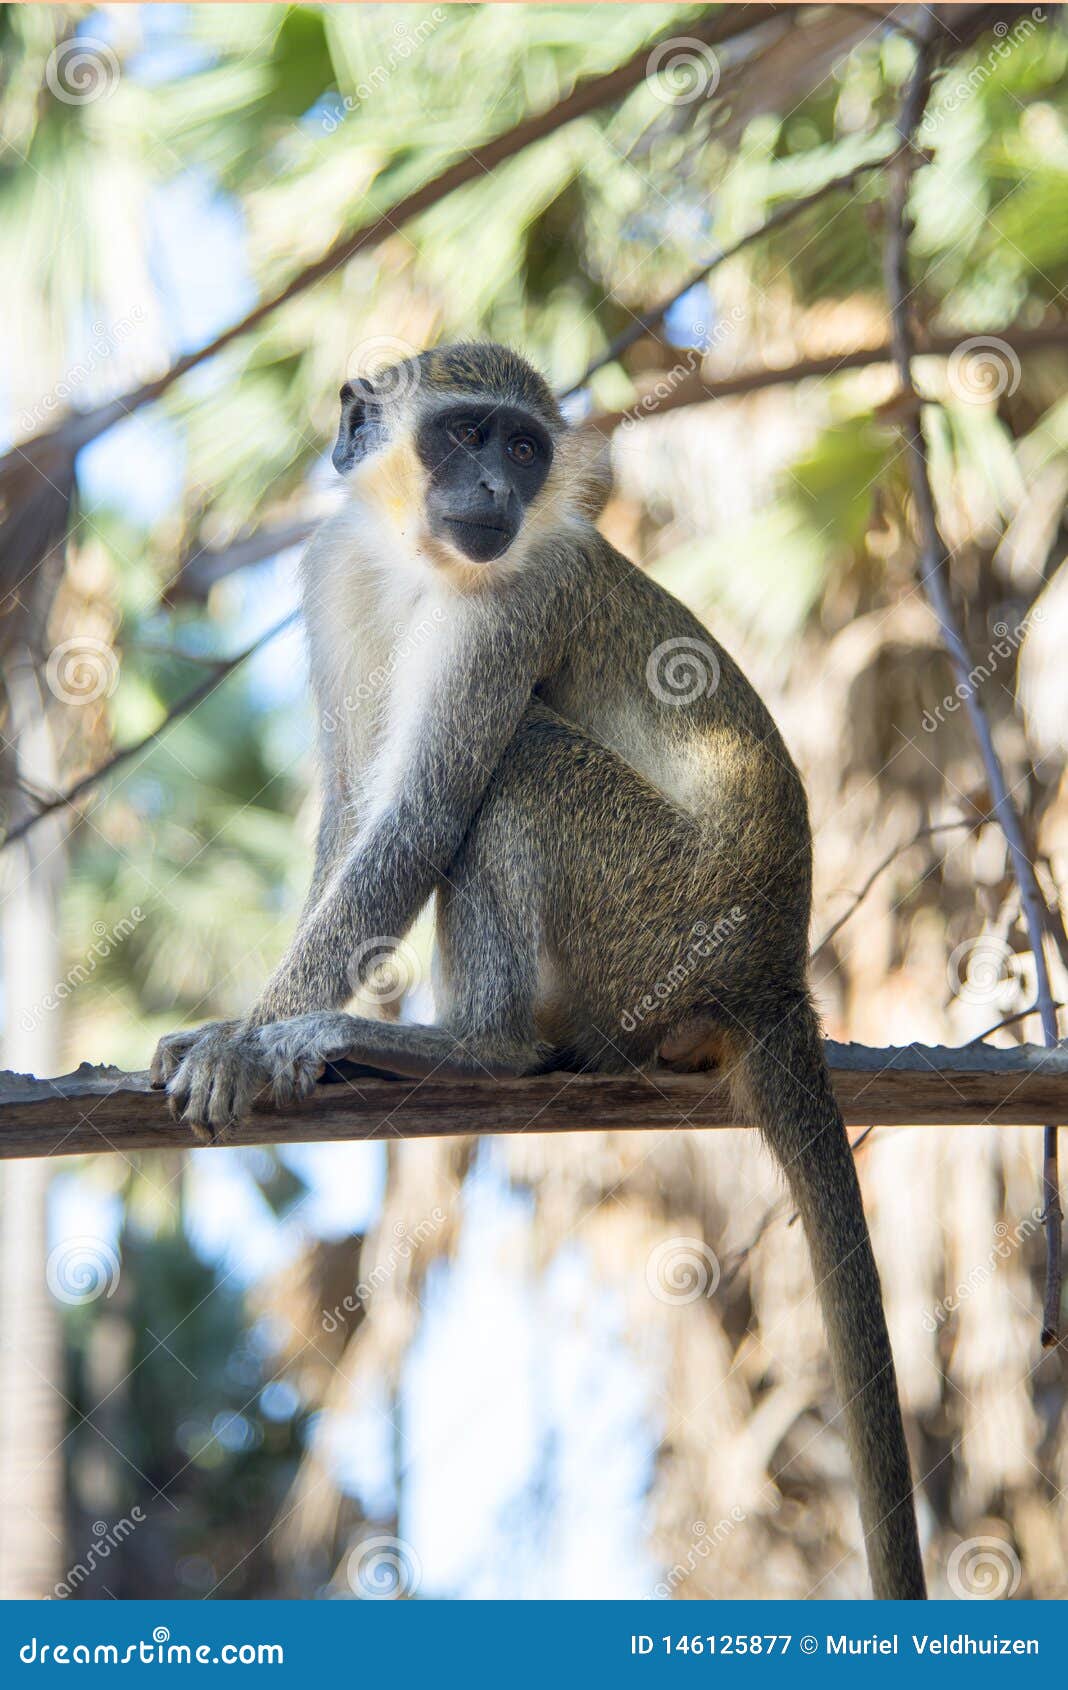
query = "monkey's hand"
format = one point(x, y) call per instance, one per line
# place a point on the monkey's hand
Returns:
point(296, 1052)
point(211, 1076)
point(173, 1048)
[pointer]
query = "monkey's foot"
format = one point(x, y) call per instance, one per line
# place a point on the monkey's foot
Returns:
point(296, 1052)
point(213, 1086)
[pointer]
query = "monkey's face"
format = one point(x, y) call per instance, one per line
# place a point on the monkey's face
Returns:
point(458, 470)
point(486, 463)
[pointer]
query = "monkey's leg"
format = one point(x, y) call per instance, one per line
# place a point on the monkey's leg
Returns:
point(297, 1051)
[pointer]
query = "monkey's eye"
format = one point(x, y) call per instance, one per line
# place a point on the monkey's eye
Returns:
point(522, 450)
point(466, 434)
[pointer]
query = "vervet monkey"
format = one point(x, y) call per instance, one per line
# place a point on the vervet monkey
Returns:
point(597, 801)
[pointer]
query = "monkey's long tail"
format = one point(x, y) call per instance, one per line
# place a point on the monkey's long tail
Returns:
point(786, 1085)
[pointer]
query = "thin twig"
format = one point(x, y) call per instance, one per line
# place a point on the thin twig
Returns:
point(934, 561)
point(1010, 1021)
point(648, 320)
point(189, 701)
point(742, 1254)
point(892, 856)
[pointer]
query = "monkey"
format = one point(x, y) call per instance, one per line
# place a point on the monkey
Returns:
point(598, 804)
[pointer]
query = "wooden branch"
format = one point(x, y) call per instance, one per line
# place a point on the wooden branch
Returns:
point(201, 568)
point(102, 1109)
point(934, 571)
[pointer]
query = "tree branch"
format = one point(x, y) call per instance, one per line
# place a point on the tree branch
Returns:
point(698, 390)
point(200, 569)
point(1009, 1021)
point(205, 566)
point(934, 560)
point(102, 1109)
point(589, 95)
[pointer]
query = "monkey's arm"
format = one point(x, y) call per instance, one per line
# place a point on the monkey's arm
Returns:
point(431, 777)
point(335, 830)
point(435, 765)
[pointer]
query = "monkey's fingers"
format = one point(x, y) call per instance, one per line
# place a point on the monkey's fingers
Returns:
point(293, 1083)
point(203, 1135)
point(173, 1049)
point(178, 1104)
point(296, 1052)
point(169, 1055)
point(214, 1087)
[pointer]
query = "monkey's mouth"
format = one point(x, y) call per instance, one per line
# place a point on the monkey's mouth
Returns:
point(480, 541)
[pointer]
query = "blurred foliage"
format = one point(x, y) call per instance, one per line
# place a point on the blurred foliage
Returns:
point(177, 1417)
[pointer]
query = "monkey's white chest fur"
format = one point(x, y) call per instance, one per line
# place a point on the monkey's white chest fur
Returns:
point(383, 623)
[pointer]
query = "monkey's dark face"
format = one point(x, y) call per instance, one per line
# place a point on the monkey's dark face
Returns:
point(486, 464)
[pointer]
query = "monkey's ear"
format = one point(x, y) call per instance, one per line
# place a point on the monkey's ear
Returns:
point(354, 432)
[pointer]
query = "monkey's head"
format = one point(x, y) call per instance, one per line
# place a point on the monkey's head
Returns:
point(465, 448)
